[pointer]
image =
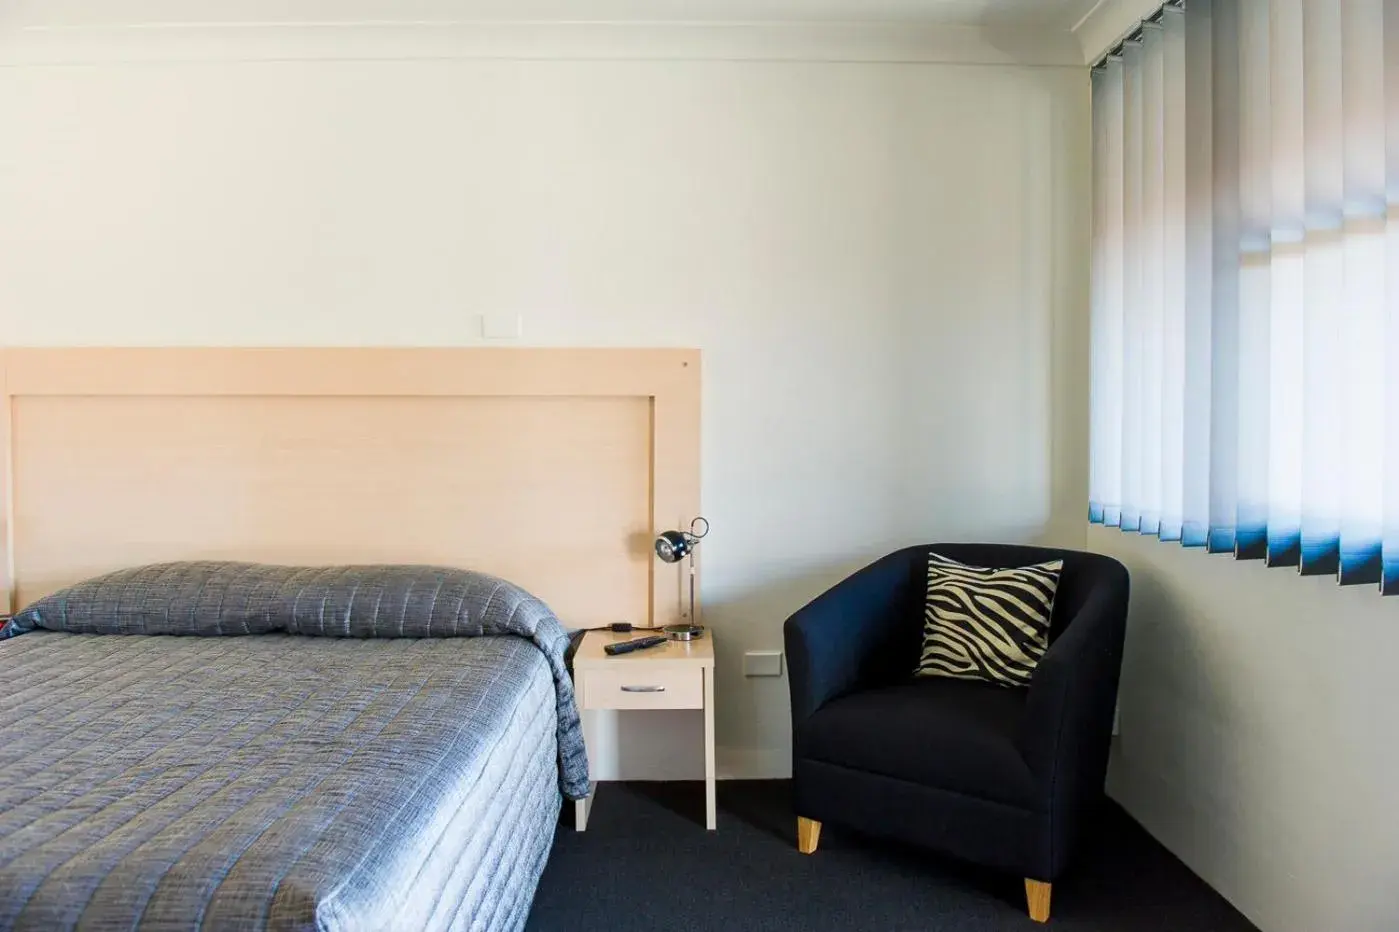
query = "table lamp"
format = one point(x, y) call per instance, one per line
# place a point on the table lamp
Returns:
point(672, 547)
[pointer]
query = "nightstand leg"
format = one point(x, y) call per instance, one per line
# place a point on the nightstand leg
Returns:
point(711, 819)
point(582, 807)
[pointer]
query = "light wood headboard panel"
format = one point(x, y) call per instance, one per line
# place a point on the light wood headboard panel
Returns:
point(551, 468)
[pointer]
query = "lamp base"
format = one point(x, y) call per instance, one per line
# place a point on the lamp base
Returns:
point(683, 632)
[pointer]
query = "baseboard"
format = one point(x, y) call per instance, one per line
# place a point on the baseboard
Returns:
point(669, 745)
point(753, 763)
point(729, 764)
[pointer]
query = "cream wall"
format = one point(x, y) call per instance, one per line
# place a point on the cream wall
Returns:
point(883, 262)
point(1257, 717)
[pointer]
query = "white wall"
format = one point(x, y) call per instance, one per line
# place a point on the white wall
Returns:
point(882, 262)
point(1258, 722)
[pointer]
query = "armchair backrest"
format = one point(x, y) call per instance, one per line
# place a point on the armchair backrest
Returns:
point(868, 629)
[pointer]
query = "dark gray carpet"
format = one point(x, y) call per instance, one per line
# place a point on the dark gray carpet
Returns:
point(646, 864)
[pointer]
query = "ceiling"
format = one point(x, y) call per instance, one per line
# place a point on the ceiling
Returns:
point(1049, 14)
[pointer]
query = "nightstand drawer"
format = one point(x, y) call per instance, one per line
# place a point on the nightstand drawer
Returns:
point(643, 686)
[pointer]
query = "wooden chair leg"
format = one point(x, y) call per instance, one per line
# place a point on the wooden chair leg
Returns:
point(808, 835)
point(1037, 895)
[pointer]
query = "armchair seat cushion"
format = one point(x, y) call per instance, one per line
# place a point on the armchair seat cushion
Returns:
point(954, 735)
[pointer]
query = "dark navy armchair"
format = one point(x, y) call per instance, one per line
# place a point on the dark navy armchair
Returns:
point(1003, 777)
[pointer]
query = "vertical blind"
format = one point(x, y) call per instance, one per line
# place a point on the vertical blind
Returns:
point(1245, 356)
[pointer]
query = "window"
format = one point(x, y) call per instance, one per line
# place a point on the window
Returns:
point(1246, 283)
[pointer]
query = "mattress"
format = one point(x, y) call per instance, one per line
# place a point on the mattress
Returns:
point(274, 781)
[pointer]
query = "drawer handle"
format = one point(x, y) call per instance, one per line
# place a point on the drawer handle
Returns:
point(643, 689)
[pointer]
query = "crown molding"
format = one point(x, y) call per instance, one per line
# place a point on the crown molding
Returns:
point(1108, 23)
point(526, 41)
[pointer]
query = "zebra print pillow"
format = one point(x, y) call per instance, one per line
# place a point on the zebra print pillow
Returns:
point(987, 624)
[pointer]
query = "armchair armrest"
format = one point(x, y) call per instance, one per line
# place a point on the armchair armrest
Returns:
point(1067, 729)
point(848, 635)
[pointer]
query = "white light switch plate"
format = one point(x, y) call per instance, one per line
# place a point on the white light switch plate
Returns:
point(762, 663)
point(500, 326)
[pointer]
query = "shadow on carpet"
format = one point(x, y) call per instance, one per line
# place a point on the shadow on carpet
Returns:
point(646, 864)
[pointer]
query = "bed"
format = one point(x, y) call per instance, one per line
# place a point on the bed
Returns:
point(337, 758)
point(324, 748)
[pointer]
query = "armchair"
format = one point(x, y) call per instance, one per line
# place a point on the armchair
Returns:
point(1002, 777)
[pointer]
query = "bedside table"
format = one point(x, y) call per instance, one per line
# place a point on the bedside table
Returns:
point(674, 675)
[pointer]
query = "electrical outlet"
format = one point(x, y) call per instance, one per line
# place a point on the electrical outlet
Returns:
point(762, 663)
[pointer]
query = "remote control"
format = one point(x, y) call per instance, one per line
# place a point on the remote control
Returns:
point(626, 647)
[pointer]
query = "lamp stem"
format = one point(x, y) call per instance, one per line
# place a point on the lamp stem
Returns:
point(692, 588)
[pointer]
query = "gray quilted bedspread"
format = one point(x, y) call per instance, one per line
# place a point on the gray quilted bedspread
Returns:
point(221, 599)
point(273, 782)
point(376, 779)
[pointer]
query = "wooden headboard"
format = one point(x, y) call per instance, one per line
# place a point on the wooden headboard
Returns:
point(552, 468)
